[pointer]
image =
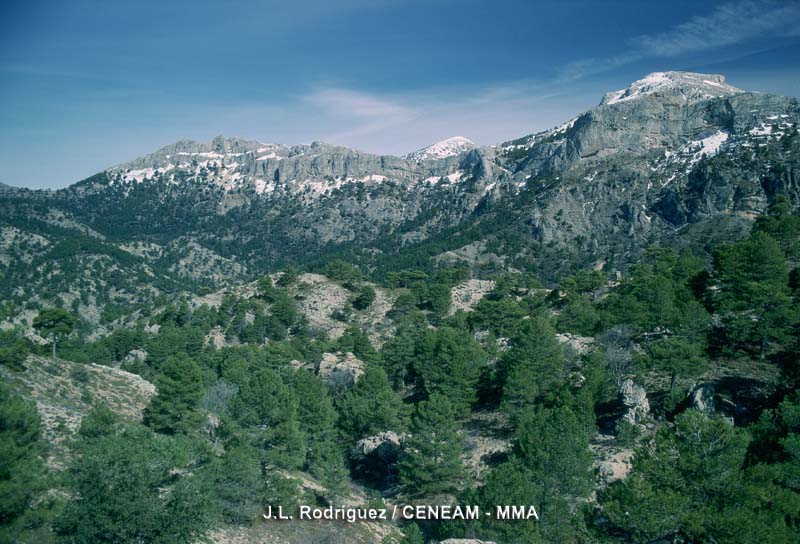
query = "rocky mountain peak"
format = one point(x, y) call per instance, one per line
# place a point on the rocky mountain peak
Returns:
point(693, 87)
point(440, 150)
point(221, 144)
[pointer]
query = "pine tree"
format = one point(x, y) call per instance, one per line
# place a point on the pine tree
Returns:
point(553, 447)
point(676, 357)
point(54, 323)
point(22, 470)
point(412, 344)
point(364, 298)
point(118, 483)
point(782, 226)
point(174, 408)
point(683, 482)
point(317, 417)
point(659, 294)
point(532, 367)
point(753, 296)
point(508, 484)
point(266, 408)
point(454, 368)
point(371, 406)
point(552, 444)
point(431, 462)
point(238, 485)
point(14, 349)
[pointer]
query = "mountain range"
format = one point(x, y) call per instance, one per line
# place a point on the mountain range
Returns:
point(676, 158)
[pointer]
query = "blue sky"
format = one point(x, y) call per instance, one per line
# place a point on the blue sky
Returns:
point(88, 84)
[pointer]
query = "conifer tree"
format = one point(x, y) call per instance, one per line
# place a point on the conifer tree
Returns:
point(782, 226)
point(266, 408)
point(532, 367)
point(431, 462)
point(412, 344)
point(371, 406)
point(453, 369)
point(682, 482)
point(317, 417)
point(238, 485)
point(118, 483)
point(179, 388)
point(676, 357)
point(553, 448)
point(753, 297)
point(21, 467)
point(55, 324)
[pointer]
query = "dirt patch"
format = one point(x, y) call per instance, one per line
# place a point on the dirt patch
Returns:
point(465, 296)
point(64, 392)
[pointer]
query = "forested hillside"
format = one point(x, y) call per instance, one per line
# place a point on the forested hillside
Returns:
point(601, 321)
point(671, 389)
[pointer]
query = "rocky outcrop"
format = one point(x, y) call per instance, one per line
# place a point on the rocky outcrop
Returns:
point(702, 399)
point(375, 456)
point(340, 369)
point(634, 398)
point(687, 86)
point(611, 461)
point(466, 295)
point(64, 392)
point(579, 344)
point(136, 356)
point(385, 445)
point(616, 467)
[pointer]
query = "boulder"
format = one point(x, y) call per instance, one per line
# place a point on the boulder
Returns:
point(385, 446)
point(135, 355)
point(616, 467)
point(702, 399)
point(580, 344)
point(340, 369)
point(634, 398)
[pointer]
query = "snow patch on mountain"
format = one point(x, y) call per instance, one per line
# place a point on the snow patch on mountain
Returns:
point(441, 150)
point(690, 154)
point(691, 86)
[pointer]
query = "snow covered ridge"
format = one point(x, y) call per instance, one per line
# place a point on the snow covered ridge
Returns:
point(440, 150)
point(691, 86)
point(685, 157)
point(679, 162)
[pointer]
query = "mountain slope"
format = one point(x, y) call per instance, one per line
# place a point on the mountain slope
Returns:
point(671, 159)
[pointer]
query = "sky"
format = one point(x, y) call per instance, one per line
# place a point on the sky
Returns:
point(86, 84)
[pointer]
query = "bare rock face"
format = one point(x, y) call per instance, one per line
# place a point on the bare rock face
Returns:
point(581, 344)
point(702, 399)
point(215, 337)
point(634, 397)
point(611, 462)
point(136, 355)
point(616, 467)
point(386, 445)
point(340, 369)
point(466, 295)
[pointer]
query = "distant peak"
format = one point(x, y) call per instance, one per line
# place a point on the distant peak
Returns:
point(692, 86)
point(440, 150)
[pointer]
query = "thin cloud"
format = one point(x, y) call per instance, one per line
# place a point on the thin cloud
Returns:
point(728, 25)
point(348, 103)
point(402, 122)
point(362, 113)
